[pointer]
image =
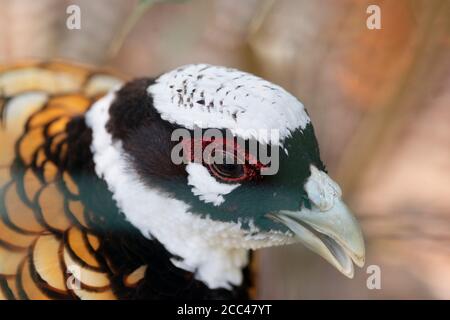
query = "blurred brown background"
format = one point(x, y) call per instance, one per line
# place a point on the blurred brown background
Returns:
point(379, 100)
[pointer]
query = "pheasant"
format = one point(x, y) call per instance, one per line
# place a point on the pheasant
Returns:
point(96, 204)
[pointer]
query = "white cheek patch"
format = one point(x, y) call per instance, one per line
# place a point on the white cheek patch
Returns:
point(205, 186)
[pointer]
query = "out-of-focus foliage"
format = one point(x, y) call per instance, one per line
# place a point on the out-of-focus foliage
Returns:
point(139, 10)
point(379, 99)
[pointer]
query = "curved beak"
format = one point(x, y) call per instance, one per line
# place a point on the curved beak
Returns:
point(329, 229)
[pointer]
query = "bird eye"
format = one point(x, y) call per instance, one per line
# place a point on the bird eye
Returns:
point(225, 166)
point(228, 171)
point(232, 166)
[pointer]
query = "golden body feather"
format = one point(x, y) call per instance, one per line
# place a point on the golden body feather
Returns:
point(46, 248)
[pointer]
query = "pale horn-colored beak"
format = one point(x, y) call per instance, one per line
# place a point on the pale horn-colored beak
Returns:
point(328, 228)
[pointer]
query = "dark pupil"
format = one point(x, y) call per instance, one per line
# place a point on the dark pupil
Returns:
point(229, 167)
point(229, 170)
